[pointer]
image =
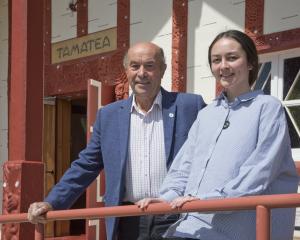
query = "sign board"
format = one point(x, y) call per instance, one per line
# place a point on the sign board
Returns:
point(95, 43)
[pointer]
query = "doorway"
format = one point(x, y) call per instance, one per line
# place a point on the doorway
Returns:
point(64, 137)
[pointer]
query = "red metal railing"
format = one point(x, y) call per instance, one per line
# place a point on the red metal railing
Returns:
point(262, 205)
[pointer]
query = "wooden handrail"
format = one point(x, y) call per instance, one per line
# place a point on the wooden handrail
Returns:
point(213, 205)
point(262, 204)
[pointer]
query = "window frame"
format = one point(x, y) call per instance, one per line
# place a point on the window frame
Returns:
point(277, 81)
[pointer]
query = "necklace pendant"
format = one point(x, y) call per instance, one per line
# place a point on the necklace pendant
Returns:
point(226, 124)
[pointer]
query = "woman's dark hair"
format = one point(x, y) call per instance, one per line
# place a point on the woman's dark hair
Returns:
point(247, 45)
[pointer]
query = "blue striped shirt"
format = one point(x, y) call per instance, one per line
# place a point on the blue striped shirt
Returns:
point(234, 149)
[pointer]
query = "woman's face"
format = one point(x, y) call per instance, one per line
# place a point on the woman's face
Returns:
point(229, 65)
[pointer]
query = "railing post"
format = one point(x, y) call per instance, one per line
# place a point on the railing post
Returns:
point(262, 223)
point(39, 232)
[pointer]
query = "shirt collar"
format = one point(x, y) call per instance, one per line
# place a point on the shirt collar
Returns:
point(157, 101)
point(245, 97)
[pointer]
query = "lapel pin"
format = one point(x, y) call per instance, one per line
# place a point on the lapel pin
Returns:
point(171, 115)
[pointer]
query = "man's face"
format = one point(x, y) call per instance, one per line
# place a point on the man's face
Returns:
point(144, 69)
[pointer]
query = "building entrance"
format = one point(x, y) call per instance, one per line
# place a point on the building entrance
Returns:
point(64, 137)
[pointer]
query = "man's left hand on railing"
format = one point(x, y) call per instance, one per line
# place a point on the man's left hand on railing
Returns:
point(37, 212)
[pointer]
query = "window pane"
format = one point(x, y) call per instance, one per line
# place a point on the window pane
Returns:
point(263, 81)
point(291, 89)
point(293, 120)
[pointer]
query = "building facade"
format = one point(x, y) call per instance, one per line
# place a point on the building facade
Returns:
point(73, 60)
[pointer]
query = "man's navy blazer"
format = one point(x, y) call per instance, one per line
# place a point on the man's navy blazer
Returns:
point(108, 149)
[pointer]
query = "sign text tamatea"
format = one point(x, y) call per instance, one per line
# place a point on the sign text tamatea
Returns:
point(95, 43)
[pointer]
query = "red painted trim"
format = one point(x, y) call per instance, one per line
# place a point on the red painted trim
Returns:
point(70, 78)
point(267, 42)
point(17, 83)
point(254, 14)
point(21, 190)
point(26, 85)
point(81, 237)
point(179, 45)
point(298, 166)
point(254, 27)
point(47, 33)
point(9, 67)
point(263, 227)
point(123, 18)
point(82, 18)
point(91, 192)
point(278, 41)
point(25, 114)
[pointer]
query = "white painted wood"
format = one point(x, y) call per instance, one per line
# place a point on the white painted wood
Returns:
point(99, 198)
point(277, 81)
point(101, 15)
point(152, 21)
point(205, 20)
point(281, 15)
point(96, 223)
point(3, 40)
point(3, 21)
point(64, 21)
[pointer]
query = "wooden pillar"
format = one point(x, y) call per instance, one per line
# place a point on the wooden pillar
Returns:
point(179, 45)
point(23, 172)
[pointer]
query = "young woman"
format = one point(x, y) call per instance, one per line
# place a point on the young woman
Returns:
point(238, 146)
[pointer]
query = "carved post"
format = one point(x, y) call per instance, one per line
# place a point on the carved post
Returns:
point(179, 45)
point(23, 172)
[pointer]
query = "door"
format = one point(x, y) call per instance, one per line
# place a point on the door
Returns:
point(49, 153)
point(56, 153)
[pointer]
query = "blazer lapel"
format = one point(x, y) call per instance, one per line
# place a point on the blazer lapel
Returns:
point(124, 126)
point(169, 117)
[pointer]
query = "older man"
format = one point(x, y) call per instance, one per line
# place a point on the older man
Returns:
point(135, 141)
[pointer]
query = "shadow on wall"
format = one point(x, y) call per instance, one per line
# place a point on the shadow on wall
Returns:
point(206, 20)
point(152, 21)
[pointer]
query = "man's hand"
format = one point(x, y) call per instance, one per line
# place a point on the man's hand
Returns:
point(37, 212)
point(144, 203)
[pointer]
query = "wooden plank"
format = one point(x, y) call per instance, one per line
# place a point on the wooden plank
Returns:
point(49, 155)
point(63, 133)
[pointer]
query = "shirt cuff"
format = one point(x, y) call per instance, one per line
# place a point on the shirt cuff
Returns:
point(54, 203)
point(169, 195)
point(212, 195)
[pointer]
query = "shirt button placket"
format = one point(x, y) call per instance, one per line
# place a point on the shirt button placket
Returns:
point(146, 157)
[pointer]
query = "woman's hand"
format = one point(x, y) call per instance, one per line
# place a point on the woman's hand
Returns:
point(144, 203)
point(180, 201)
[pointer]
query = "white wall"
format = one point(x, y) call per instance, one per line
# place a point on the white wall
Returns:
point(64, 21)
point(281, 15)
point(152, 21)
point(3, 88)
point(206, 19)
point(101, 15)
